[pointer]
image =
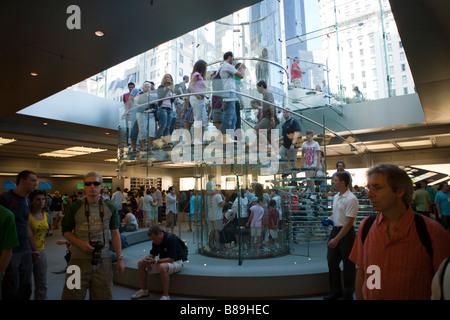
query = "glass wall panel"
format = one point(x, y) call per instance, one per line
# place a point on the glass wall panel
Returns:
point(257, 39)
point(340, 48)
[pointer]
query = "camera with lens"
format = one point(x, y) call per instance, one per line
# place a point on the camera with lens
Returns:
point(97, 252)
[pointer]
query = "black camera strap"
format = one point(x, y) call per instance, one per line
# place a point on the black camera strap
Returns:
point(102, 214)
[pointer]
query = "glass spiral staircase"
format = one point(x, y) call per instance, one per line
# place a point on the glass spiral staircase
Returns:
point(304, 202)
point(257, 38)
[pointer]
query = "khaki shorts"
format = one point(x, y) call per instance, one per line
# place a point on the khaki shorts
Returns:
point(255, 231)
point(264, 124)
point(297, 82)
point(57, 214)
point(174, 267)
point(273, 234)
point(288, 154)
point(215, 225)
point(171, 219)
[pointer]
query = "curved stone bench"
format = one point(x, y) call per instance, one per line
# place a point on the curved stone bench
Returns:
point(303, 273)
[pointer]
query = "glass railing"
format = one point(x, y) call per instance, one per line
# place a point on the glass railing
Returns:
point(356, 47)
point(304, 202)
point(309, 199)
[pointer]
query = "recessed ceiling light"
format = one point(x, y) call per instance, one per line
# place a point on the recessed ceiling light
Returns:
point(86, 149)
point(99, 33)
point(34, 74)
point(45, 123)
point(416, 143)
point(6, 141)
point(72, 152)
point(380, 146)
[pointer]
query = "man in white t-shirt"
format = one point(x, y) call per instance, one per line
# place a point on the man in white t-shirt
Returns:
point(310, 158)
point(227, 73)
point(215, 217)
point(117, 198)
point(342, 237)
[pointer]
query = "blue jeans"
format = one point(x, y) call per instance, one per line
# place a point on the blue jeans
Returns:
point(228, 115)
point(40, 277)
point(17, 283)
point(238, 115)
point(164, 121)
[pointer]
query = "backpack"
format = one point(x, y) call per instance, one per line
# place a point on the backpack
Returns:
point(184, 249)
point(420, 227)
point(56, 204)
point(441, 278)
point(217, 84)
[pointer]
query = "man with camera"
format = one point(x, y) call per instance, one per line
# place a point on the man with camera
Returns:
point(87, 224)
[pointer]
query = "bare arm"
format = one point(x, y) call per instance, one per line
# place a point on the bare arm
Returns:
point(297, 135)
point(249, 219)
point(319, 158)
point(272, 113)
point(192, 83)
point(34, 251)
point(240, 72)
point(438, 208)
point(5, 258)
point(117, 245)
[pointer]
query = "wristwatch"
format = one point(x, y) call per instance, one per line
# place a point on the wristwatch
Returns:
point(120, 257)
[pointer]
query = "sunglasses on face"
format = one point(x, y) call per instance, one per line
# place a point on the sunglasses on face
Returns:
point(89, 183)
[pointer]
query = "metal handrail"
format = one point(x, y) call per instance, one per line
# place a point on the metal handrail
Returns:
point(262, 101)
point(255, 59)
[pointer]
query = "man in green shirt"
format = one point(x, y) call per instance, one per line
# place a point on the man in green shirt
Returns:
point(422, 200)
point(8, 238)
point(87, 225)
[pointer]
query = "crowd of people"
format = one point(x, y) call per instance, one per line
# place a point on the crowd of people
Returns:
point(151, 124)
point(256, 211)
point(92, 227)
point(91, 222)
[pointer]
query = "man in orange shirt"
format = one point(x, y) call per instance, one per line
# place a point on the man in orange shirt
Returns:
point(393, 263)
point(296, 73)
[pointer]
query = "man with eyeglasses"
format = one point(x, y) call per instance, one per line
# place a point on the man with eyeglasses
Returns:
point(87, 224)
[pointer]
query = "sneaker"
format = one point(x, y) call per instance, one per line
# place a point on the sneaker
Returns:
point(333, 296)
point(165, 298)
point(141, 293)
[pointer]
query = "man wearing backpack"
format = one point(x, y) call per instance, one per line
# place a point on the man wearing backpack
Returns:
point(399, 254)
point(171, 254)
